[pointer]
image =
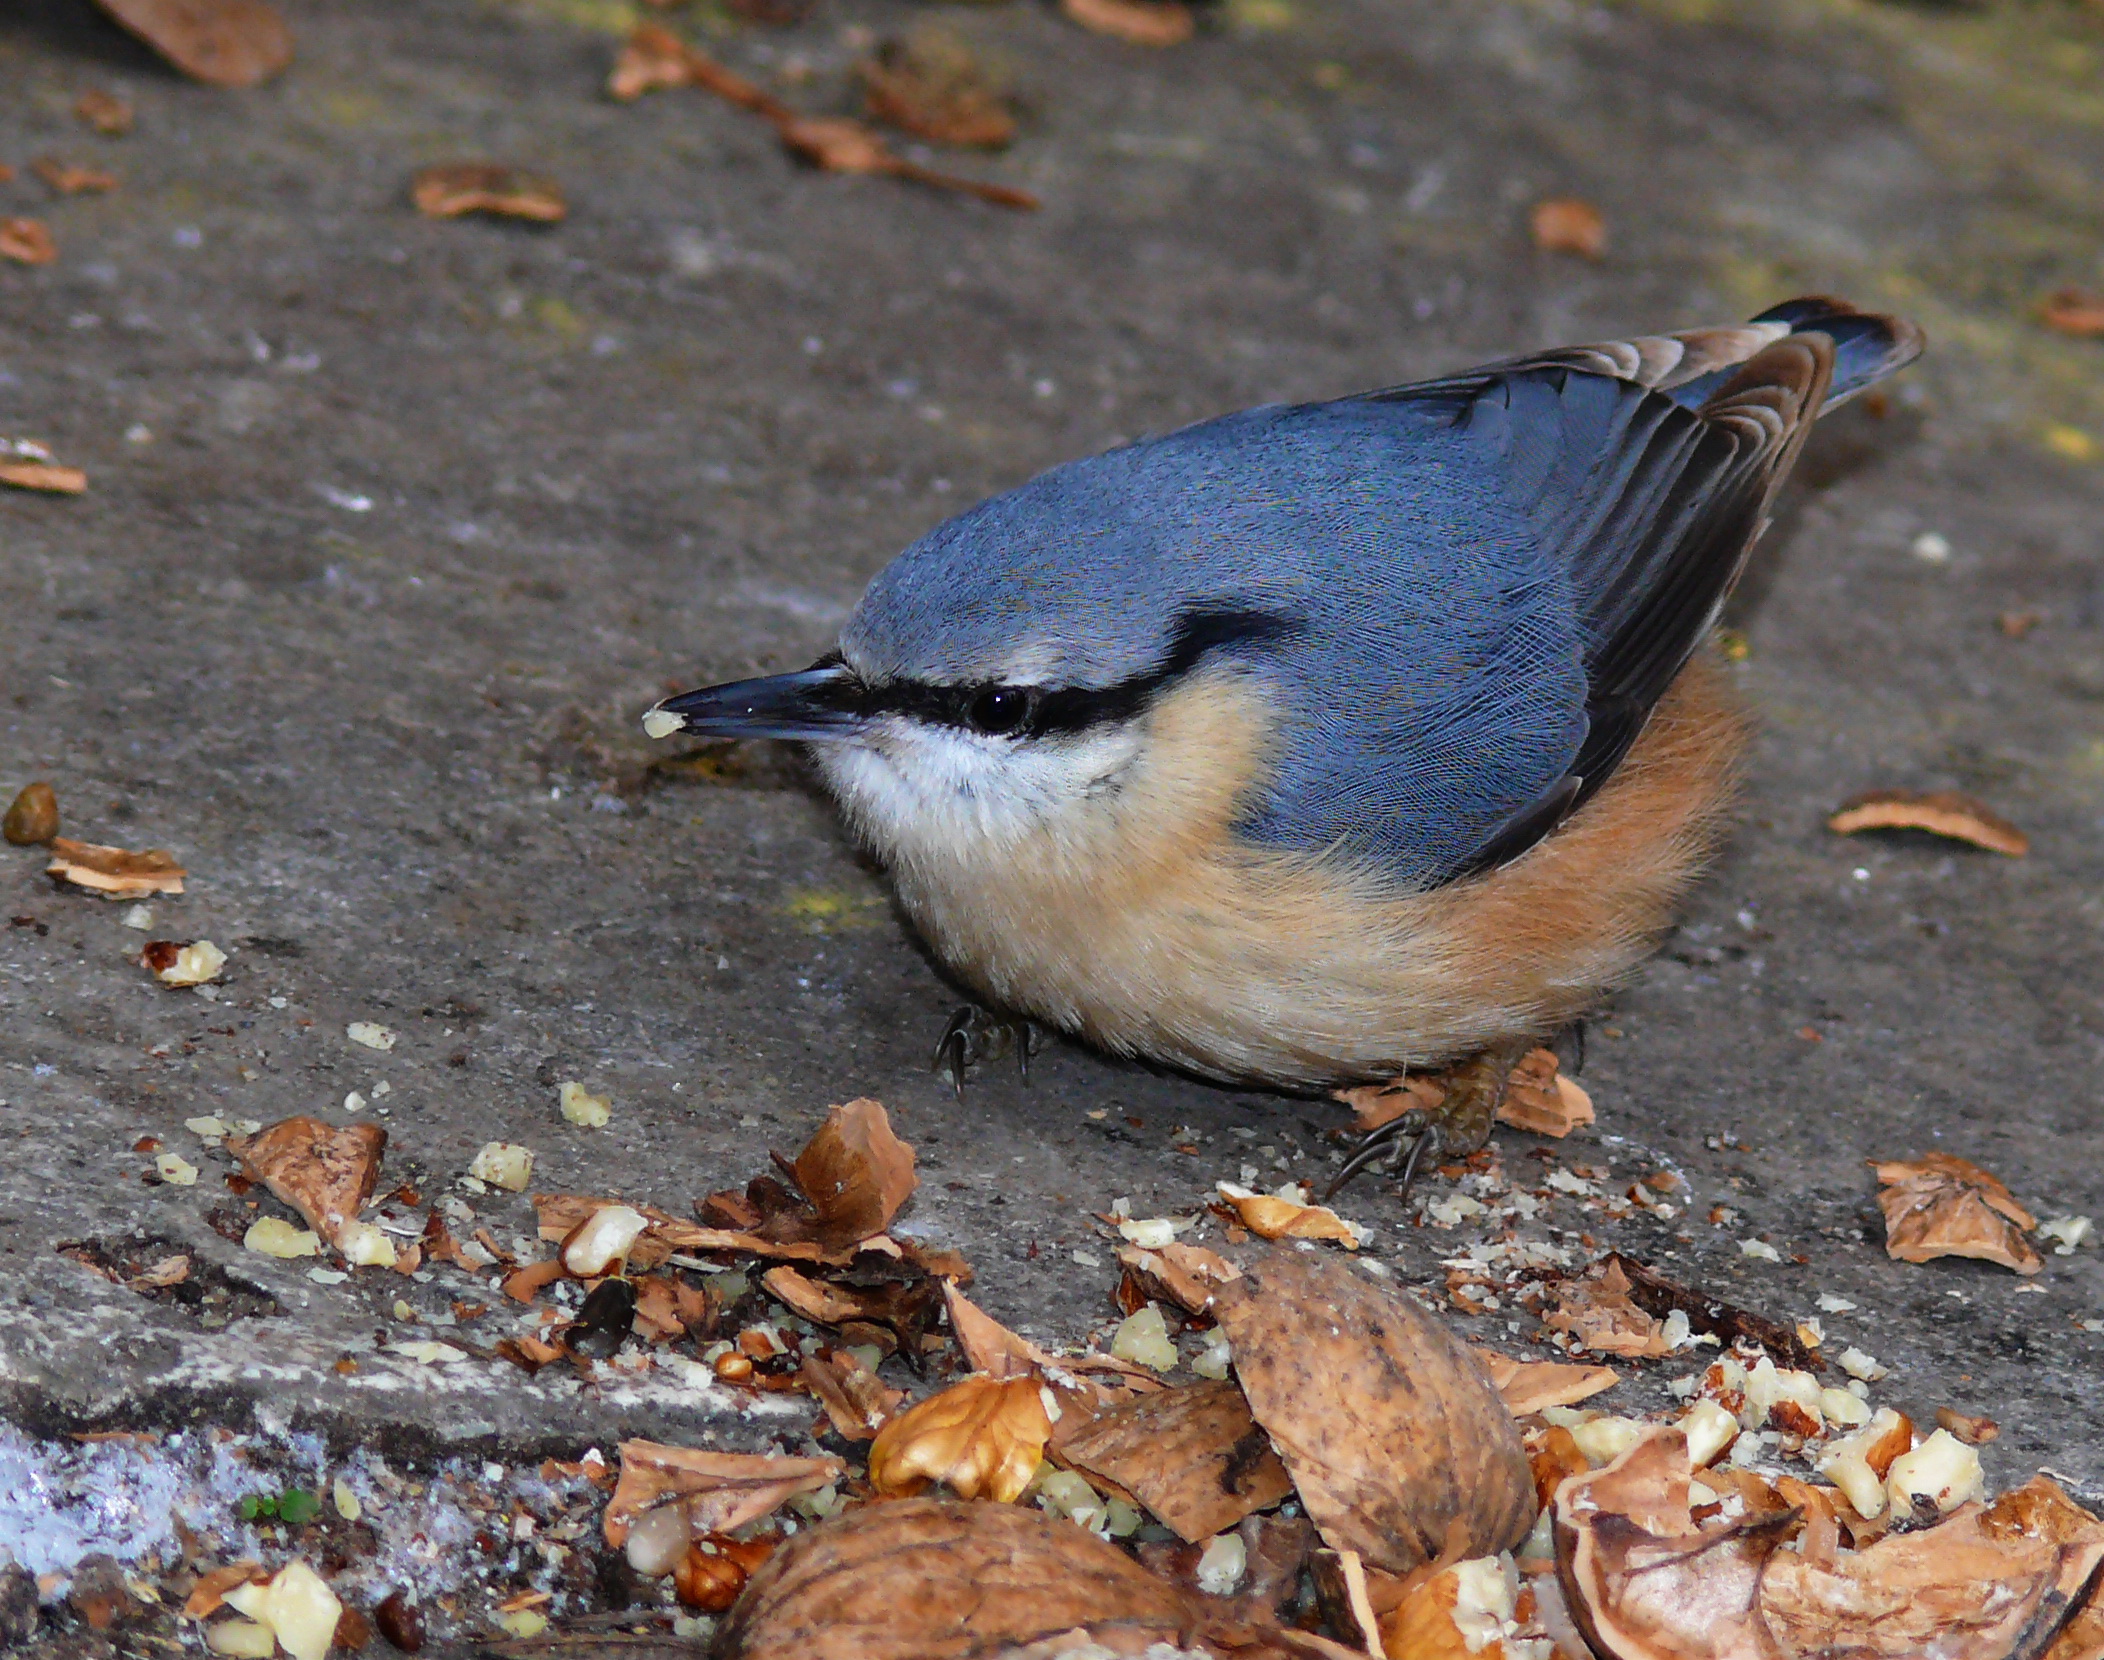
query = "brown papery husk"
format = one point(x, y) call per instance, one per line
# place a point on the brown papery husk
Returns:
point(1645, 1583)
point(1393, 1432)
point(1193, 1456)
point(943, 1579)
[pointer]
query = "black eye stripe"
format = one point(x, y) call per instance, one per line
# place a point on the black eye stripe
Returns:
point(1045, 710)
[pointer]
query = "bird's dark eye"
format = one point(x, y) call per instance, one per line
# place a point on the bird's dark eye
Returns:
point(1001, 710)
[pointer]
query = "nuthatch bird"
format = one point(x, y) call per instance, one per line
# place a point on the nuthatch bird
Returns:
point(1315, 744)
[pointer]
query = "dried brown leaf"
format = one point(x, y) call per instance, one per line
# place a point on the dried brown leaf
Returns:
point(933, 88)
point(1566, 225)
point(324, 1173)
point(1644, 1581)
point(720, 1491)
point(1193, 1456)
point(27, 242)
point(652, 59)
point(456, 188)
point(1394, 1434)
point(980, 1437)
point(232, 43)
point(1941, 1206)
point(208, 1595)
point(107, 113)
point(1136, 22)
point(32, 817)
point(1947, 813)
point(934, 1579)
point(990, 1347)
point(114, 872)
point(1530, 1385)
point(855, 1172)
point(1541, 1100)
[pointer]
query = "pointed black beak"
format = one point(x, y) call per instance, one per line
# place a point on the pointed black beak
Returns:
point(815, 705)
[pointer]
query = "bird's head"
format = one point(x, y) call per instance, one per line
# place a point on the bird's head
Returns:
point(1003, 674)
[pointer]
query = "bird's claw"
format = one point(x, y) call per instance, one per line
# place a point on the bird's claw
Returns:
point(1406, 1142)
point(973, 1035)
point(1458, 1125)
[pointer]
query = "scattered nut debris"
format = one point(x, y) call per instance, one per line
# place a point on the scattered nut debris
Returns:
point(1709, 1316)
point(713, 1492)
point(1288, 1215)
point(653, 58)
point(1566, 225)
point(1136, 22)
point(182, 963)
point(1539, 1098)
point(230, 43)
point(1942, 1206)
point(2075, 311)
point(932, 87)
point(370, 1034)
point(1597, 1310)
point(295, 1606)
point(32, 817)
point(1646, 1579)
point(72, 178)
point(114, 872)
point(107, 113)
point(455, 188)
point(503, 1164)
point(1396, 1439)
point(1948, 813)
point(1193, 1456)
point(273, 1236)
point(27, 241)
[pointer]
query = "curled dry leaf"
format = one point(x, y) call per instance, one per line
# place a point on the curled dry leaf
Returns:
point(933, 88)
point(1643, 1580)
point(1598, 1311)
point(981, 1436)
point(1393, 1433)
point(1183, 1275)
point(1948, 813)
point(232, 43)
point(1269, 1216)
point(32, 817)
point(2075, 311)
point(1193, 1456)
point(1136, 22)
point(1530, 1385)
point(27, 242)
point(456, 188)
point(1566, 225)
point(114, 872)
point(855, 1172)
point(719, 1491)
point(935, 1579)
point(324, 1173)
point(1944, 1206)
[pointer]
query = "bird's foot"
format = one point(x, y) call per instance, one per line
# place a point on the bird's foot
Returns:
point(1456, 1127)
point(975, 1035)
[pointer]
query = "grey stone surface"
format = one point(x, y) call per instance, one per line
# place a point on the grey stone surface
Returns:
point(396, 526)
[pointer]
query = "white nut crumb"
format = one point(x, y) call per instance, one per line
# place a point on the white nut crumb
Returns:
point(208, 1129)
point(1605, 1439)
point(176, 1170)
point(582, 1108)
point(346, 1501)
point(353, 1102)
point(2067, 1233)
point(1144, 1340)
point(1943, 1470)
point(1830, 1304)
point(1857, 1364)
point(139, 917)
point(1931, 548)
point(370, 1033)
point(1222, 1563)
point(297, 1605)
point(195, 964)
point(1150, 1233)
point(662, 723)
point(1759, 1249)
point(603, 1239)
point(426, 1352)
point(1710, 1430)
point(275, 1237)
point(365, 1246)
point(503, 1164)
point(239, 1639)
point(1215, 1358)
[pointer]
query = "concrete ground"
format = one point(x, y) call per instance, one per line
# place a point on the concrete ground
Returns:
point(394, 527)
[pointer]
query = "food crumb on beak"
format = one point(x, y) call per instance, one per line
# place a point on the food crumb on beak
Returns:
point(661, 723)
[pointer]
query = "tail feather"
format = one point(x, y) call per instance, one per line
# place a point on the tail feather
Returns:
point(1867, 347)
